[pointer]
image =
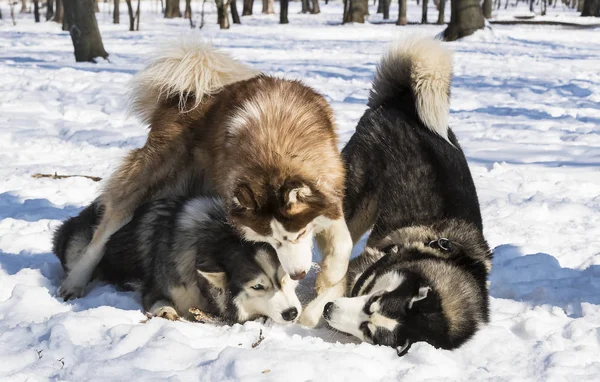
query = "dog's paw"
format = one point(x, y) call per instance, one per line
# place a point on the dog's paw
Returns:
point(168, 313)
point(312, 314)
point(71, 288)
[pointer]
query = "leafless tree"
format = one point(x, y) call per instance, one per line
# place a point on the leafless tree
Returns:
point(188, 9)
point(442, 11)
point(172, 9)
point(84, 31)
point(235, 16)
point(401, 12)
point(487, 9)
point(424, 12)
point(247, 7)
point(59, 12)
point(223, 13)
point(12, 11)
point(36, 10)
point(315, 9)
point(23, 6)
point(116, 12)
point(49, 9)
point(267, 6)
point(465, 18)
point(283, 11)
point(355, 11)
point(591, 8)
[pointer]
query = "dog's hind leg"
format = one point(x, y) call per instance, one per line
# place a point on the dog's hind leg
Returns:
point(142, 174)
point(81, 271)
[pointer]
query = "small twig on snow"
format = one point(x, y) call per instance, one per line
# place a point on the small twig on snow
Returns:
point(260, 339)
point(56, 176)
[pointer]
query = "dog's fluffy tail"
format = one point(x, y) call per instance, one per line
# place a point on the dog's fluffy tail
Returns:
point(423, 67)
point(73, 236)
point(188, 70)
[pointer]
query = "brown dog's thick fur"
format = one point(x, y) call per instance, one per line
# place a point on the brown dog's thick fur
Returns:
point(266, 146)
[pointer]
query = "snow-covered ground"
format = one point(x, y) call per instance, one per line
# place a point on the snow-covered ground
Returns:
point(525, 106)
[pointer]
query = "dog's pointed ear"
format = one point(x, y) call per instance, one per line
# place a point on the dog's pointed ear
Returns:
point(216, 279)
point(403, 349)
point(295, 192)
point(244, 198)
point(295, 197)
point(419, 299)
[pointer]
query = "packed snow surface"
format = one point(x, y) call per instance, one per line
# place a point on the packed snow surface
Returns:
point(525, 107)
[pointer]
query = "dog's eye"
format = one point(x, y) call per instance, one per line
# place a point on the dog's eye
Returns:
point(258, 287)
point(364, 327)
point(370, 306)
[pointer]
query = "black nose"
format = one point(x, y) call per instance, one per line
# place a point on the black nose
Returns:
point(328, 310)
point(298, 276)
point(290, 314)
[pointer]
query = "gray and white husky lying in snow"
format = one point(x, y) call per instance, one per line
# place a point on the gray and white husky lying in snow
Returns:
point(184, 254)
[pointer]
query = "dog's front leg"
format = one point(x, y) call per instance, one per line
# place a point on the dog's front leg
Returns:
point(313, 312)
point(335, 244)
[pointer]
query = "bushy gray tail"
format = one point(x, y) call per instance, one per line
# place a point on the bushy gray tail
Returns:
point(425, 67)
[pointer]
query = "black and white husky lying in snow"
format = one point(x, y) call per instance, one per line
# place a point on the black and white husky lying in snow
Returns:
point(184, 254)
point(423, 274)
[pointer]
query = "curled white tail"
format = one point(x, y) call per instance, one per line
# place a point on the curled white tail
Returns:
point(424, 66)
point(187, 68)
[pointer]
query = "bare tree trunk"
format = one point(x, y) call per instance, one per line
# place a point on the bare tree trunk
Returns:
point(283, 12)
point(96, 8)
point(401, 12)
point(424, 12)
point(268, 7)
point(84, 31)
point(49, 9)
point(188, 9)
point(23, 6)
point(116, 13)
point(131, 16)
point(380, 6)
point(223, 13)
point(531, 4)
point(466, 17)
point(247, 8)
point(315, 7)
point(442, 11)
point(59, 14)
point(355, 11)
point(36, 10)
point(12, 12)
point(386, 9)
point(137, 17)
point(591, 8)
point(487, 9)
point(235, 16)
point(0, 13)
point(543, 6)
point(305, 6)
point(172, 9)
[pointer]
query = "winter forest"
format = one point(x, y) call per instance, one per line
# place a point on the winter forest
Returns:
point(524, 105)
